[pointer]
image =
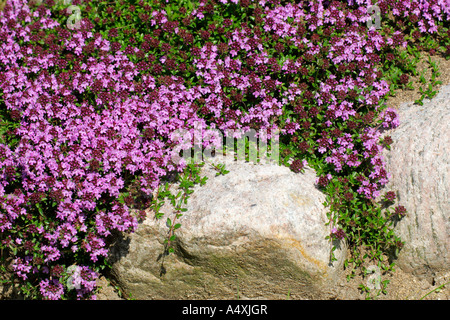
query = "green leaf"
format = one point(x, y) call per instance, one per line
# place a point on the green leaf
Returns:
point(168, 11)
point(190, 6)
point(177, 226)
point(169, 222)
point(38, 206)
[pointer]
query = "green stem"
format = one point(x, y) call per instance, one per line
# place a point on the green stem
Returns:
point(441, 286)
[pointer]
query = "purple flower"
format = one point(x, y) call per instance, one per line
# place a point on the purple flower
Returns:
point(390, 118)
point(22, 267)
point(50, 253)
point(400, 211)
point(297, 165)
point(390, 196)
point(51, 289)
point(338, 233)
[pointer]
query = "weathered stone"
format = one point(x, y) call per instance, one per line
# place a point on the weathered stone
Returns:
point(257, 232)
point(106, 291)
point(419, 164)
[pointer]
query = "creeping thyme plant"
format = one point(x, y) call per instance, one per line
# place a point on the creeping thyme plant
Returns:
point(87, 115)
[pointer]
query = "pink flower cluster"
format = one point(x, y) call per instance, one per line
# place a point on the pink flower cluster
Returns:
point(423, 13)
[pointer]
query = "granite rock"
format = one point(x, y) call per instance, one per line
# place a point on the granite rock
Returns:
point(257, 232)
point(419, 164)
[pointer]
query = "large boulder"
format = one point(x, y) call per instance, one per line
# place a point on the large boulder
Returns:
point(257, 232)
point(419, 164)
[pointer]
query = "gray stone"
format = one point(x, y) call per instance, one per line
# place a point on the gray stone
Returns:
point(257, 232)
point(419, 164)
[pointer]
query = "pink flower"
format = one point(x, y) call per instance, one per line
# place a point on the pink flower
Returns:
point(390, 118)
point(51, 289)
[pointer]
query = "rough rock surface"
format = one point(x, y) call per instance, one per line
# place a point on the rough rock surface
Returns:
point(257, 232)
point(419, 164)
